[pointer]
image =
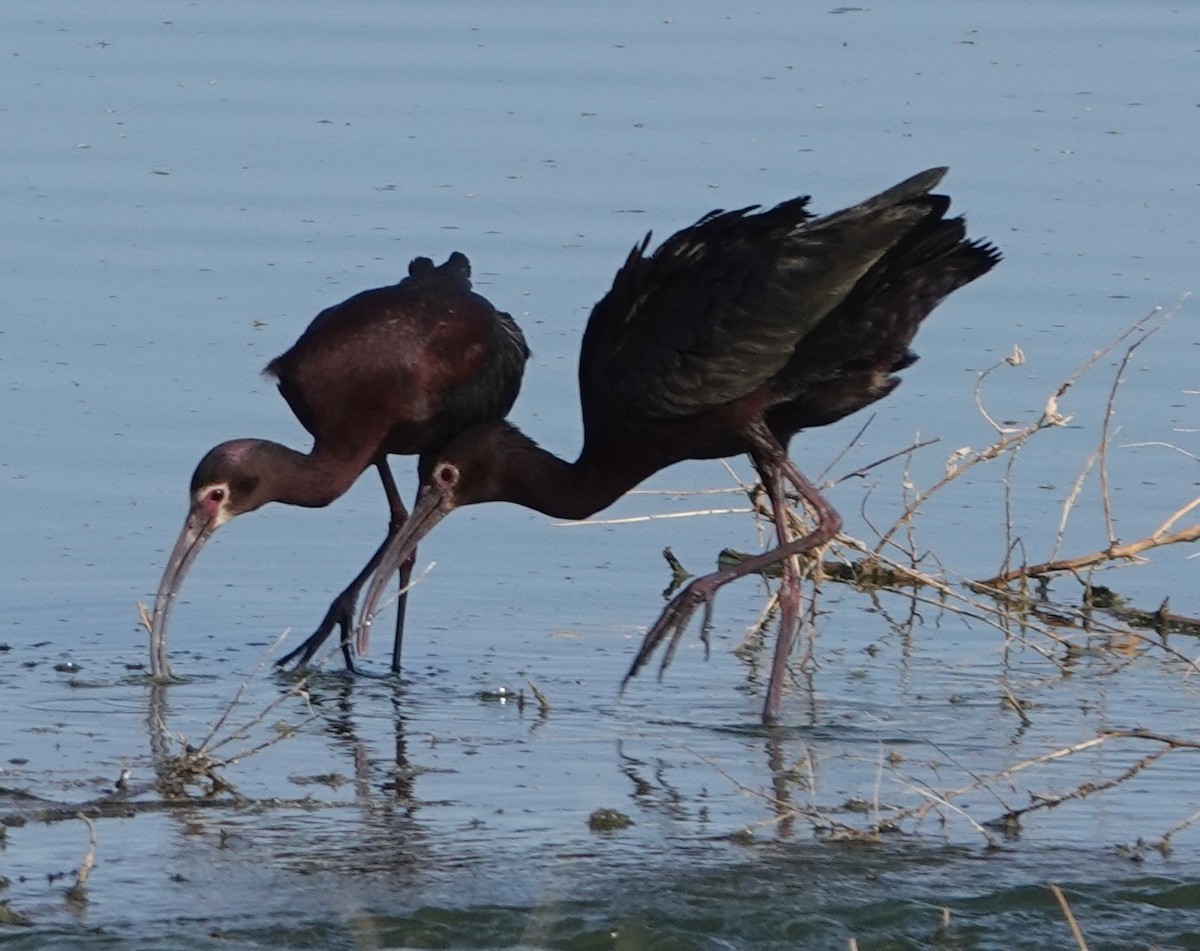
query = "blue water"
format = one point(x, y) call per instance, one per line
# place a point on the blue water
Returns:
point(187, 184)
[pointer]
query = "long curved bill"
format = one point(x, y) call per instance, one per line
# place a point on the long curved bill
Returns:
point(429, 509)
point(196, 531)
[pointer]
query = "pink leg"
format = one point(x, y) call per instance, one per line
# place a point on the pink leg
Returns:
point(774, 466)
point(789, 596)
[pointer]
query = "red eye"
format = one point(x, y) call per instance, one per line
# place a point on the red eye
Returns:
point(217, 495)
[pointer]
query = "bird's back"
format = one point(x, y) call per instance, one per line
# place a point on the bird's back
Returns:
point(405, 367)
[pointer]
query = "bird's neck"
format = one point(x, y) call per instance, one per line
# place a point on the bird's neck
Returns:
point(567, 490)
point(522, 472)
point(311, 480)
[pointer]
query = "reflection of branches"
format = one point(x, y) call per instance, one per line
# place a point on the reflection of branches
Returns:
point(196, 763)
point(1061, 634)
point(1011, 818)
point(935, 800)
point(1164, 843)
point(180, 767)
point(823, 821)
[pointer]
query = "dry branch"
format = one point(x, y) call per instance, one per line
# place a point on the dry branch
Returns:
point(1115, 552)
point(1069, 915)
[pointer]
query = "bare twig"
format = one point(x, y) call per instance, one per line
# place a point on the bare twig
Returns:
point(78, 892)
point(1069, 503)
point(543, 701)
point(850, 444)
point(1066, 910)
point(861, 471)
point(655, 517)
point(1115, 552)
point(237, 697)
point(1085, 789)
point(1144, 328)
point(1164, 528)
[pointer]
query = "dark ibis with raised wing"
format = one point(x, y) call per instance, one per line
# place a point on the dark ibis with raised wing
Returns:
point(731, 337)
point(398, 370)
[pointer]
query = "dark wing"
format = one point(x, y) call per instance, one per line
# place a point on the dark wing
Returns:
point(719, 308)
point(850, 359)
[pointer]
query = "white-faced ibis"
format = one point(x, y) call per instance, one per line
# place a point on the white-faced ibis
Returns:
point(731, 337)
point(395, 370)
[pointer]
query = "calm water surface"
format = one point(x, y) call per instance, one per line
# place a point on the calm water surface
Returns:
point(187, 184)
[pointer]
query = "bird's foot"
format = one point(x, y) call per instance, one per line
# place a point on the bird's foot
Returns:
point(671, 625)
point(340, 615)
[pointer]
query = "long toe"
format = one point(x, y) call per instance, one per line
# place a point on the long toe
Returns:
point(340, 615)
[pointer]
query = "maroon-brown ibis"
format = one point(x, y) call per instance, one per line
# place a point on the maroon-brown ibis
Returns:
point(731, 337)
point(398, 370)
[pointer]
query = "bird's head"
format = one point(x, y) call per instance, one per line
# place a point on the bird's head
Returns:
point(231, 480)
point(228, 481)
point(481, 464)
